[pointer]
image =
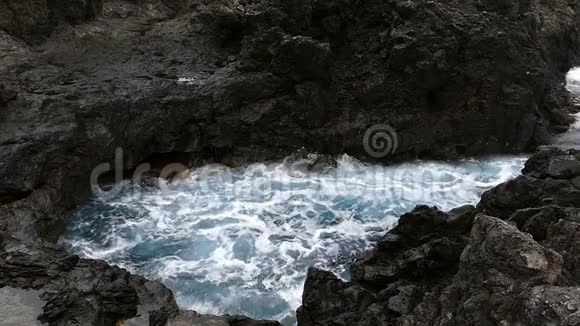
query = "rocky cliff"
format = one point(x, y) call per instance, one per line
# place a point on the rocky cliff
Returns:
point(244, 80)
point(262, 79)
point(512, 260)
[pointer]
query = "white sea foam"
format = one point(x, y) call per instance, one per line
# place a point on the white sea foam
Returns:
point(571, 139)
point(193, 80)
point(573, 81)
point(240, 241)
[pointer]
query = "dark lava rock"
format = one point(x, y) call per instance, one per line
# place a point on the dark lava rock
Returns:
point(33, 20)
point(262, 79)
point(90, 292)
point(192, 318)
point(80, 291)
point(549, 178)
point(466, 267)
point(425, 241)
point(241, 81)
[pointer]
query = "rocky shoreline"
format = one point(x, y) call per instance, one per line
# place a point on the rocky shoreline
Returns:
point(242, 81)
point(512, 260)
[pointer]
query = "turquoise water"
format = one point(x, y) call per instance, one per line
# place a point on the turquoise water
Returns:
point(239, 241)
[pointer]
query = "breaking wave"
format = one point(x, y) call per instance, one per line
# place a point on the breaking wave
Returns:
point(240, 241)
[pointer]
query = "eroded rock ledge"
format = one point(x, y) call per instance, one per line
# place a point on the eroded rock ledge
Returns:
point(512, 260)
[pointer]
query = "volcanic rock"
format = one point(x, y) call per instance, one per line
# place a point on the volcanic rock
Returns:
point(518, 268)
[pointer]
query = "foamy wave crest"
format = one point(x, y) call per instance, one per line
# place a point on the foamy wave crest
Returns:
point(571, 139)
point(573, 81)
point(240, 241)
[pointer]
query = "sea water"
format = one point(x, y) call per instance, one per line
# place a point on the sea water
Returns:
point(240, 241)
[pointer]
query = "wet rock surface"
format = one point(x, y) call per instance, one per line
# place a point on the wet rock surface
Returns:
point(512, 260)
point(240, 81)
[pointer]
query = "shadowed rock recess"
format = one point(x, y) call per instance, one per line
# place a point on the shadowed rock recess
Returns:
point(237, 81)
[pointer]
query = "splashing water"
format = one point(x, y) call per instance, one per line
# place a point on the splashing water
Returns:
point(571, 139)
point(573, 81)
point(239, 241)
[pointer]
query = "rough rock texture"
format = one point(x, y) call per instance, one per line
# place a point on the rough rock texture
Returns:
point(244, 80)
point(85, 292)
point(513, 260)
point(33, 20)
point(90, 292)
point(264, 78)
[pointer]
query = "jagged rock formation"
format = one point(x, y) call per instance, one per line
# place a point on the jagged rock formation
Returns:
point(77, 290)
point(513, 260)
point(89, 292)
point(262, 78)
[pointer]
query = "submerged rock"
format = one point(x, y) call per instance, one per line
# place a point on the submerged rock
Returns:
point(467, 267)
